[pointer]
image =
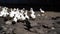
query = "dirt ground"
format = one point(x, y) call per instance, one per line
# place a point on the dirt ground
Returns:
point(48, 24)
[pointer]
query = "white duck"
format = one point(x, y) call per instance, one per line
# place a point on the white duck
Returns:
point(14, 9)
point(42, 11)
point(22, 11)
point(26, 16)
point(32, 13)
point(12, 13)
point(4, 12)
point(22, 16)
point(17, 11)
point(17, 14)
point(15, 19)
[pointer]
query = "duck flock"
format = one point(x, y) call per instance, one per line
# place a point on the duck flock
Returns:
point(18, 14)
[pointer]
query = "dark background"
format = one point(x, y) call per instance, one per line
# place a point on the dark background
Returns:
point(51, 5)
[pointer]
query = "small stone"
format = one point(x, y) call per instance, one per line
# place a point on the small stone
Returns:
point(38, 15)
point(8, 22)
point(52, 28)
